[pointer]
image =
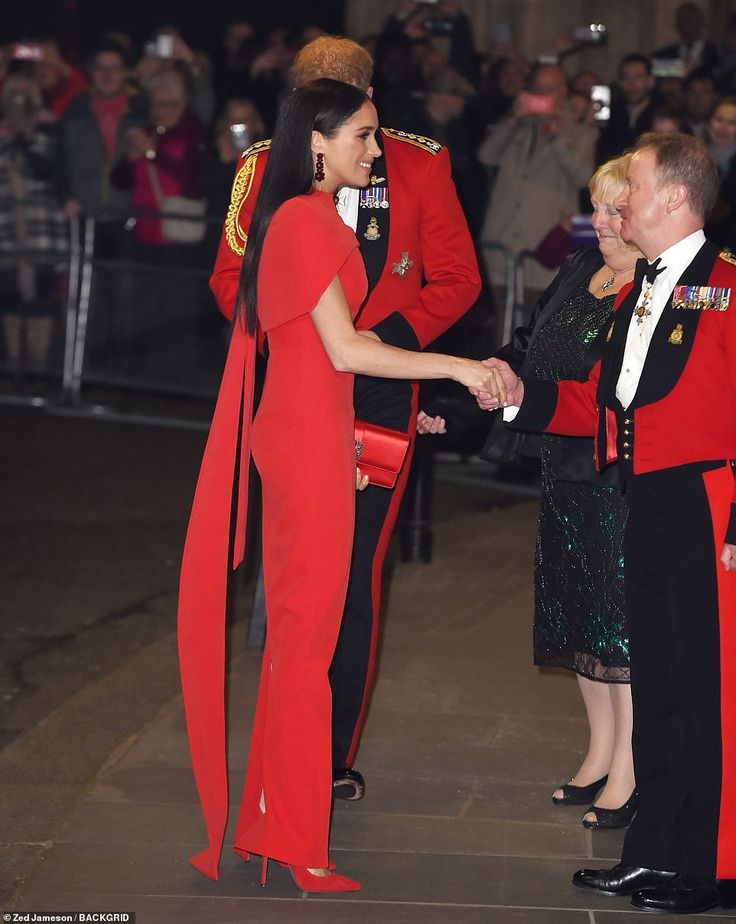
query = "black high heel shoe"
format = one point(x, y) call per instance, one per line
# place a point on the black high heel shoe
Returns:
point(580, 795)
point(620, 817)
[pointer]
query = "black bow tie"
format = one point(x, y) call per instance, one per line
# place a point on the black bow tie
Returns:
point(652, 270)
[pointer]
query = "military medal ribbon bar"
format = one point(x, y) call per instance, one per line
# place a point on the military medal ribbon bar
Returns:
point(701, 298)
point(374, 197)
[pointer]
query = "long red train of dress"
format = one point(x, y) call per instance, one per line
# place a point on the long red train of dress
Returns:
point(302, 444)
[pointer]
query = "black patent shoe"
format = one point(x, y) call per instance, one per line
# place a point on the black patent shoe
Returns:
point(579, 795)
point(620, 817)
point(621, 879)
point(348, 784)
point(683, 895)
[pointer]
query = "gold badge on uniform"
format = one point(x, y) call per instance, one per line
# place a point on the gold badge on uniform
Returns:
point(403, 266)
point(701, 298)
point(676, 336)
point(372, 232)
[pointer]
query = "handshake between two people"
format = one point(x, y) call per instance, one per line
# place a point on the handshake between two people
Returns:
point(501, 387)
point(507, 389)
point(509, 392)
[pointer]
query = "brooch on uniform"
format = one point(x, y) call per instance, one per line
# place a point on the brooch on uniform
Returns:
point(403, 266)
point(372, 232)
point(701, 298)
point(676, 336)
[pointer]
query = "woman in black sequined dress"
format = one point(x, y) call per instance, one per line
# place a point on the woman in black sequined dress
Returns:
point(578, 575)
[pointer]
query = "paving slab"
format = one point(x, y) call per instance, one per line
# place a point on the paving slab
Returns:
point(463, 746)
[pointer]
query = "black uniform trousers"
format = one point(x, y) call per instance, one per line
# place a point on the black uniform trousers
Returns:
point(388, 403)
point(672, 545)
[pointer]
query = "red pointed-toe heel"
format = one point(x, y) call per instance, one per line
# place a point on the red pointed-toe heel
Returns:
point(308, 882)
point(330, 865)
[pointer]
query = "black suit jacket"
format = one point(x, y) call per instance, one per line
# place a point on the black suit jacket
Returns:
point(711, 54)
point(572, 456)
point(618, 135)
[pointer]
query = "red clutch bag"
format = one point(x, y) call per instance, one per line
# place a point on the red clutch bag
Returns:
point(379, 452)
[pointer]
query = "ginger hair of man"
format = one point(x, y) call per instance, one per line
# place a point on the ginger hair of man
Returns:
point(334, 57)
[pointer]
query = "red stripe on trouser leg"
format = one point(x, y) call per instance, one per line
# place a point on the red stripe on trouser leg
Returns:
point(377, 573)
point(719, 488)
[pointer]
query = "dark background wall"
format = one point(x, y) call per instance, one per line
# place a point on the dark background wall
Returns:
point(80, 21)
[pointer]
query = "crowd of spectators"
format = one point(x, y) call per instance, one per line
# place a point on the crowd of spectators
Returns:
point(525, 136)
point(140, 130)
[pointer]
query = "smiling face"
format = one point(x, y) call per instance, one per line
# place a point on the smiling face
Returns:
point(607, 222)
point(349, 154)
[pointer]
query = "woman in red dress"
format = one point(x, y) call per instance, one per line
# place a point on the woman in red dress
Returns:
point(302, 284)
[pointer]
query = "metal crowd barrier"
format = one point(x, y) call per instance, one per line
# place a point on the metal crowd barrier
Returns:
point(113, 331)
point(131, 318)
point(43, 274)
point(514, 307)
point(515, 310)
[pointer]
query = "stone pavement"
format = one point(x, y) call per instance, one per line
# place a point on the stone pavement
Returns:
point(463, 746)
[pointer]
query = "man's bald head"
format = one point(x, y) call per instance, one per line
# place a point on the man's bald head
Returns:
point(334, 57)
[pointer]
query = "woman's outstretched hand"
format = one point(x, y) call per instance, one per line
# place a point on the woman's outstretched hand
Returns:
point(481, 378)
point(488, 399)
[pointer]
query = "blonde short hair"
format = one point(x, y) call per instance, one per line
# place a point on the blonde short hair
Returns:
point(609, 179)
point(334, 57)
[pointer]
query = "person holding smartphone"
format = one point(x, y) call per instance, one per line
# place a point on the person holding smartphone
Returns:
point(93, 135)
point(538, 158)
point(60, 82)
point(34, 236)
point(445, 24)
point(238, 126)
point(632, 113)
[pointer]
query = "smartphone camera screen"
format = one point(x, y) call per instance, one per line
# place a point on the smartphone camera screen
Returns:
point(593, 34)
point(601, 98)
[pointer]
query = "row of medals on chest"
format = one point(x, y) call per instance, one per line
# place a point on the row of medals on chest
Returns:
point(374, 197)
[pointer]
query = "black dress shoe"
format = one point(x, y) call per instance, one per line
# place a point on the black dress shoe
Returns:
point(348, 784)
point(683, 895)
point(620, 817)
point(621, 880)
point(579, 795)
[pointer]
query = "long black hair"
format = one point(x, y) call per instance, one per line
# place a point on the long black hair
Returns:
point(322, 105)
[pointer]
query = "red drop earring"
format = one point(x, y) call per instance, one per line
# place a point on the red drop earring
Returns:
point(319, 171)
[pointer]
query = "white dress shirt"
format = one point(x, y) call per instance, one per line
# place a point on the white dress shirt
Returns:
point(347, 206)
point(693, 54)
point(675, 261)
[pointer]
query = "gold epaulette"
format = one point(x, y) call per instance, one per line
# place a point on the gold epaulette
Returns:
point(419, 141)
point(236, 237)
point(728, 257)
